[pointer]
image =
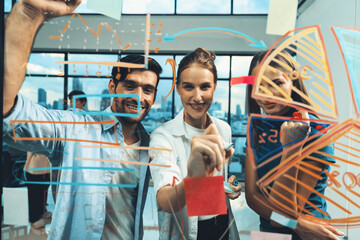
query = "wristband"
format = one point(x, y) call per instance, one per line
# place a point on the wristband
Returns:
point(282, 220)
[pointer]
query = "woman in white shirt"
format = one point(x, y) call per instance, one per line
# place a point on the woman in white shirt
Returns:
point(197, 143)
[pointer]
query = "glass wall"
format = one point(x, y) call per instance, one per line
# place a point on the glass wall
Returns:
point(47, 80)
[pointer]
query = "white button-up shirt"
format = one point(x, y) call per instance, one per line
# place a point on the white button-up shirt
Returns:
point(173, 135)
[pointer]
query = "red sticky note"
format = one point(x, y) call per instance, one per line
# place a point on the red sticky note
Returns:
point(205, 196)
point(242, 80)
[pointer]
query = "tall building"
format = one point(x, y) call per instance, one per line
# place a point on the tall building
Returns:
point(168, 106)
point(76, 84)
point(42, 97)
point(214, 107)
point(55, 105)
point(163, 104)
point(105, 101)
point(238, 110)
point(60, 104)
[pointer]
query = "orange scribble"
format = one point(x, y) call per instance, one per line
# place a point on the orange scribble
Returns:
point(288, 200)
point(96, 34)
point(173, 65)
point(12, 122)
point(344, 196)
point(55, 37)
point(126, 47)
point(219, 31)
point(317, 193)
point(115, 64)
point(65, 28)
point(121, 161)
point(130, 147)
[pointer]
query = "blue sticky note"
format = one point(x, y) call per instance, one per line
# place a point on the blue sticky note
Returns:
point(110, 8)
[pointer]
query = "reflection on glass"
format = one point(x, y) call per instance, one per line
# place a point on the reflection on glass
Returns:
point(220, 103)
point(238, 109)
point(153, 6)
point(240, 66)
point(222, 64)
point(251, 6)
point(203, 6)
point(45, 63)
point(46, 91)
point(237, 166)
point(91, 69)
point(178, 58)
point(83, 9)
point(92, 86)
point(7, 6)
point(161, 111)
point(167, 69)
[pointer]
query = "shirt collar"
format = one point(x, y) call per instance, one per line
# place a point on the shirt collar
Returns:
point(145, 137)
point(107, 126)
point(179, 125)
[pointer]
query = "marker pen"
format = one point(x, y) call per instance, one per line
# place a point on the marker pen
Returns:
point(227, 146)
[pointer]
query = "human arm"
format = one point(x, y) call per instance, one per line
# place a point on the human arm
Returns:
point(254, 197)
point(263, 207)
point(30, 127)
point(286, 189)
point(234, 185)
point(207, 155)
point(20, 30)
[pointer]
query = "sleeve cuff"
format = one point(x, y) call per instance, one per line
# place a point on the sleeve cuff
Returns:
point(14, 113)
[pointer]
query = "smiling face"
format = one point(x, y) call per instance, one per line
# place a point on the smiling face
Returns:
point(196, 89)
point(283, 82)
point(142, 83)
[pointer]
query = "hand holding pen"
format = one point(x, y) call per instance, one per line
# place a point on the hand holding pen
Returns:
point(208, 153)
point(232, 187)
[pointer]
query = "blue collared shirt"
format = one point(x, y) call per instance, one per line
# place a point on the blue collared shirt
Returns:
point(80, 206)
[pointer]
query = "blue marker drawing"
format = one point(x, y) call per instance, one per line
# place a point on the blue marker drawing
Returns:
point(254, 42)
point(18, 161)
point(83, 168)
point(276, 147)
point(116, 114)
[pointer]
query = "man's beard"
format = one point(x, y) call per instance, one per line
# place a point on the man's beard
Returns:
point(131, 120)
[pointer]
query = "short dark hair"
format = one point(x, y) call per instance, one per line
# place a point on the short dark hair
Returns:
point(77, 92)
point(120, 73)
point(201, 57)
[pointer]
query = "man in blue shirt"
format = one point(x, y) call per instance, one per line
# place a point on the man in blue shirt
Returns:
point(89, 148)
point(80, 102)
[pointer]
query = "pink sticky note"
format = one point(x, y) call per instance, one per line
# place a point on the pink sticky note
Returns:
point(268, 236)
point(205, 196)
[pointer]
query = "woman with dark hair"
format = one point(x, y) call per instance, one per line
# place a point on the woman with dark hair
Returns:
point(197, 143)
point(279, 79)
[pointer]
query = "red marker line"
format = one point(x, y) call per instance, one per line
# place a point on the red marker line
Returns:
point(242, 80)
